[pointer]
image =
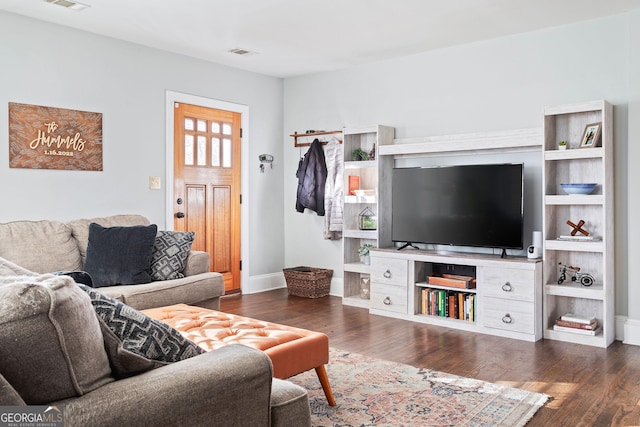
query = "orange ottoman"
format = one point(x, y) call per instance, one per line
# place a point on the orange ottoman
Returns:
point(291, 350)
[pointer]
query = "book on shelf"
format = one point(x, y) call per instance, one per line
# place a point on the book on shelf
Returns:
point(451, 299)
point(571, 317)
point(354, 184)
point(576, 330)
point(452, 281)
point(451, 304)
point(588, 326)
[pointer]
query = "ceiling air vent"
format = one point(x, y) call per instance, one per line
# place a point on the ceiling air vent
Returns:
point(241, 52)
point(73, 5)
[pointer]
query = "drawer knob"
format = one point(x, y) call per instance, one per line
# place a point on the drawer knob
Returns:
point(387, 274)
point(387, 301)
point(507, 287)
point(507, 318)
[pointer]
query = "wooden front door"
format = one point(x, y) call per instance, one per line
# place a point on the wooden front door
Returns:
point(207, 185)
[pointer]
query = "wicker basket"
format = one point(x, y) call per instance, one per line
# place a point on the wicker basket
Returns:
point(308, 282)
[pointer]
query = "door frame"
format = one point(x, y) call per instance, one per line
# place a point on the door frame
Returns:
point(173, 97)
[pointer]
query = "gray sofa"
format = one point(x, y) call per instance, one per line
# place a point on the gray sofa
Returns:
point(54, 352)
point(49, 246)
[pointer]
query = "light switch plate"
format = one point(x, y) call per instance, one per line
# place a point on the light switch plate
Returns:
point(154, 183)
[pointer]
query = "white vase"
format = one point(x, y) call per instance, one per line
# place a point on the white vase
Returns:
point(365, 259)
point(562, 147)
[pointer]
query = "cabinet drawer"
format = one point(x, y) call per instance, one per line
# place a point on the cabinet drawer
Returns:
point(500, 313)
point(389, 271)
point(389, 297)
point(507, 283)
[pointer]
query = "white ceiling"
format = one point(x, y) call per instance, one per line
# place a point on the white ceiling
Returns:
point(295, 37)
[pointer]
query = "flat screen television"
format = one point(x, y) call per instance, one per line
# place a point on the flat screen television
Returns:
point(469, 205)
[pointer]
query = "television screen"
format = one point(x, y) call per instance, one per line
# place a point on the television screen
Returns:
point(470, 205)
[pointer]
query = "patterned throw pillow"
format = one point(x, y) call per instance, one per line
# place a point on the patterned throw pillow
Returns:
point(140, 334)
point(170, 252)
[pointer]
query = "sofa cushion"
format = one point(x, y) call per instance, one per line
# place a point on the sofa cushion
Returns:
point(120, 255)
point(51, 347)
point(137, 342)
point(201, 289)
point(289, 404)
point(40, 246)
point(80, 227)
point(8, 395)
point(8, 268)
point(170, 252)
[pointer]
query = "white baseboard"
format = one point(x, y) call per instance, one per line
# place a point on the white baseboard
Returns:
point(263, 283)
point(631, 332)
point(268, 282)
point(336, 287)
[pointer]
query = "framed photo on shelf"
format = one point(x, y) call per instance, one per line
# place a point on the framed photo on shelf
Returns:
point(591, 135)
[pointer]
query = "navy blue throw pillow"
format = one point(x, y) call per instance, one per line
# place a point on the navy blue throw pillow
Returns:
point(120, 255)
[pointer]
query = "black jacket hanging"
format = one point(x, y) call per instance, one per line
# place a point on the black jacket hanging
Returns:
point(312, 176)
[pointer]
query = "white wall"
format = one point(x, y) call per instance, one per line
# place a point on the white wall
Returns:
point(493, 85)
point(632, 329)
point(46, 64)
point(498, 84)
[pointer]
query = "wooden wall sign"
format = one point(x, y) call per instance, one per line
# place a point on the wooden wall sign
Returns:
point(54, 138)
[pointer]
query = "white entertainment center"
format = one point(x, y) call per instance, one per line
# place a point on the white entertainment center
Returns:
point(508, 291)
point(511, 296)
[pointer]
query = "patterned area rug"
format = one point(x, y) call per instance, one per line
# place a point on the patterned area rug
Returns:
point(373, 392)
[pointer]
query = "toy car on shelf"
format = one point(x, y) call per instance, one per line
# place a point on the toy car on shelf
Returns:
point(574, 273)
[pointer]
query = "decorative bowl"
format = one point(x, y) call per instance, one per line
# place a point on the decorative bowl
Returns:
point(578, 188)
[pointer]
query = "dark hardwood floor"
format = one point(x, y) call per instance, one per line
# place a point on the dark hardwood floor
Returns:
point(590, 386)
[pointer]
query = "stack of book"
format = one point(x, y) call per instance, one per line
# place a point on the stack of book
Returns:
point(577, 324)
point(448, 303)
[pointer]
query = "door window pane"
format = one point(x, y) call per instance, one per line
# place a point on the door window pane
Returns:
point(188, 124)
point(226, 128)
point(188, 150)
point(215, 127)
point(215, 151)
point(226, 153)
point(202, 151)
point(202, 126)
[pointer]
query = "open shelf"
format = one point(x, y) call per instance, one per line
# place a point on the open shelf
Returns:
point(578, 165)
point(445, 321)
point(366, 176)
point(574, 199)
point(596, 340)
point(575, 290)
point(360, 199)
point(357, 267)
point(445, 288)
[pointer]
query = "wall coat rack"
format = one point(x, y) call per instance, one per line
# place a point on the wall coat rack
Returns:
point(314, 134)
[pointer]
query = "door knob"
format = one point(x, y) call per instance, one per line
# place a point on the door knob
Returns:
point(180, 214)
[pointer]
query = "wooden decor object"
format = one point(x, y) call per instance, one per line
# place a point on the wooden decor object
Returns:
point(54, 138)
point(577, 228)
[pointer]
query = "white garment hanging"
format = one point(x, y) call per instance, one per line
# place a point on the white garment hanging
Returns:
point(333, 190)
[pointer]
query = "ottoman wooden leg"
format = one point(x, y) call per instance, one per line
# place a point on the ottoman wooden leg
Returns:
point(324, 381)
